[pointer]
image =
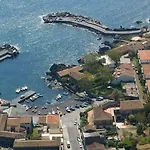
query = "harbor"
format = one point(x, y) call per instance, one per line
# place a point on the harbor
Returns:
point(88, 23)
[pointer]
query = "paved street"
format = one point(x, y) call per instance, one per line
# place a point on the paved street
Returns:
point(73, 132)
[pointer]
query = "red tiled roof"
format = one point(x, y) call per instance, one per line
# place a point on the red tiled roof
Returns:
point(100, 114)
point(53, 118)
point(68, 71)
point(124, 69)
point(131, 105)
point(146, 69)
point(148, 84)
point(144, 54)
point(96, 146)
point(3, 119)
point(25, 119)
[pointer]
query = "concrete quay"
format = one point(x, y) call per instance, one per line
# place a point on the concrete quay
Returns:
point(26, 95)
point(87, 23)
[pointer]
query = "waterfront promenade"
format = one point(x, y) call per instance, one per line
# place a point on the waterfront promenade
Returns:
point(90, 24)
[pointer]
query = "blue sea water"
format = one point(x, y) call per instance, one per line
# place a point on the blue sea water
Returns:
point(41, 45)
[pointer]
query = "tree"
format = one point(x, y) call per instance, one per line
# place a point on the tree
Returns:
point(131, 119)
point(139, 129)
point(116, 95)
point(140, 118)
point(114, 55)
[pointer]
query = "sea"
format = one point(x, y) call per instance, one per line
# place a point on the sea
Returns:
point(41, 45)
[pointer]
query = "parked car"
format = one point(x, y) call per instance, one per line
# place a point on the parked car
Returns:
point(77, 106)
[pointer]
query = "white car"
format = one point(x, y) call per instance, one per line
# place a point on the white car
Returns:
point(80, 145)
point(75, 123)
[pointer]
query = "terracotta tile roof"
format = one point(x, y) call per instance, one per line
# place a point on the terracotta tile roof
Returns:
point(96, 146)
point(146, 69)
point(53, 118)
point(3, 119)
point(68, 71)
point(148, 84)
point(124, 69)
point(42, 119)
point(76, 75)
point(13, 135)
point(13, 122)
point(144, 54)
point(35, 143)
point(99, 114)
point(25, 119)
point(131, 105)
point(89, 127)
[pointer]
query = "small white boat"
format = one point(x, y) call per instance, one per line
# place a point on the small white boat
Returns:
point(18, 90)
point(58, 97)
point(65, 93)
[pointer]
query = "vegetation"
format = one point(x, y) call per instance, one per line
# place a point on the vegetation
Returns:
point(34, 135)
point(84, 116)
point(114, 55)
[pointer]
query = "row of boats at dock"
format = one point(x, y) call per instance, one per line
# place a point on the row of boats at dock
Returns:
point(24, 88)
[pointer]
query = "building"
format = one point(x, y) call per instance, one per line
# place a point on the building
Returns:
point(101, 118)
point(144, 56)
point(95, 146)
point(131, 91)
point(89, 138)
point(129, 107)
point(125, 59)
point(124, 73)
point(36, 144)
point(107, 61)
point(68, 71)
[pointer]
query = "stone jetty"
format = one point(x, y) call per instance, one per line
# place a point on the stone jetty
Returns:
point(88, 23)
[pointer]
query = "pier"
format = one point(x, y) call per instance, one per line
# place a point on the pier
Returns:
point(87, 23)
point(7, 51)
point(26, 95)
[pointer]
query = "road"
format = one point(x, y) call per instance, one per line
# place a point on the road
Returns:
point(73, 131)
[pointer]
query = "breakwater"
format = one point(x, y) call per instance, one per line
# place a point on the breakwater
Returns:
point(88, 23)
point(8, 51)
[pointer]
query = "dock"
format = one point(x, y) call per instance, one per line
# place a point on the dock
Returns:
point(27, 95)
point(88, 23)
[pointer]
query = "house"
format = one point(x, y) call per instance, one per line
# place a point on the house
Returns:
point(124, 73)
point(130, 107)
point(131, 91)
point(146, 71)
point(147, 84)
point(66, 72)
point(107, 61)
point(95, 146)
point(3, 119)
point(89, 138)
point(36, 144)
point(144, 56)
point(125, 59)
point(101, 118)
point(53, 121)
